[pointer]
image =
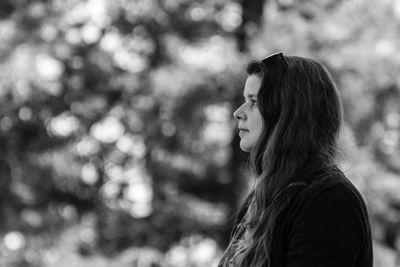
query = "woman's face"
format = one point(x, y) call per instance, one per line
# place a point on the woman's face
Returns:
point(249, 119)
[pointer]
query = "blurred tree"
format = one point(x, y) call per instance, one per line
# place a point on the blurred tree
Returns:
point(104, 111)
point(116, 117)
point(251, 17)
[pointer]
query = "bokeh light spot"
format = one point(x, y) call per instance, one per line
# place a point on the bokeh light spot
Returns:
point(109, 130)
point(48, 67)
point(14, 240)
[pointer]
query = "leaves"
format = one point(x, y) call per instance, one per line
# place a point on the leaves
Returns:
point(116, 117)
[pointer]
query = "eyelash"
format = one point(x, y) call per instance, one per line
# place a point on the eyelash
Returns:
point(253, 103)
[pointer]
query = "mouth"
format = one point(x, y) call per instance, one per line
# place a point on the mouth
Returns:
point(242, 131)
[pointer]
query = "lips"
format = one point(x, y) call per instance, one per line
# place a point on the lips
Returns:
point(243, 133)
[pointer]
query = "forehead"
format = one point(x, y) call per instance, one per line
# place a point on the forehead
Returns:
point(252, 85)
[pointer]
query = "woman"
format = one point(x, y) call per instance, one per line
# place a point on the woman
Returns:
point(301, 210)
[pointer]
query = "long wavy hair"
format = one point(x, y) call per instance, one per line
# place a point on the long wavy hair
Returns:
point(302, 117)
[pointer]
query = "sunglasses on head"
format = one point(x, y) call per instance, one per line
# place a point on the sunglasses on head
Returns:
point(276, 60)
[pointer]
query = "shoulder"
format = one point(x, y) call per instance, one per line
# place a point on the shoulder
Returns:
point(332, 204)
point(328, 225)
point(332, 191)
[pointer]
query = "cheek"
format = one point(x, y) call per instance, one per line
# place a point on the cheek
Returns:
point(257, 128)
point(259, 122)
point(258, 132)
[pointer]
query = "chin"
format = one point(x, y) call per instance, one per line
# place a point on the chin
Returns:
point(245, 147)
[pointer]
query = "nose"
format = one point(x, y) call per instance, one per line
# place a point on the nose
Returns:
point(239, 114)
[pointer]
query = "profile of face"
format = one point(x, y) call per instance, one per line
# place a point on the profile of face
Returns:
point(250, 122)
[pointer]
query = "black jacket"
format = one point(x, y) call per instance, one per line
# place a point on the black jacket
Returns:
point(325, 224)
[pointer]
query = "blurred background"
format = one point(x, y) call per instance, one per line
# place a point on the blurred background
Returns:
point(118, 145)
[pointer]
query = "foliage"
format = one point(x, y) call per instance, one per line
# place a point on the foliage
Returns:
point(118, 141)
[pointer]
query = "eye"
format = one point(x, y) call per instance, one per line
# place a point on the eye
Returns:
point(251, 102)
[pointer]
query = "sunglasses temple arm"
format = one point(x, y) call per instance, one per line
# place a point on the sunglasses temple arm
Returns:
point(284, 62)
